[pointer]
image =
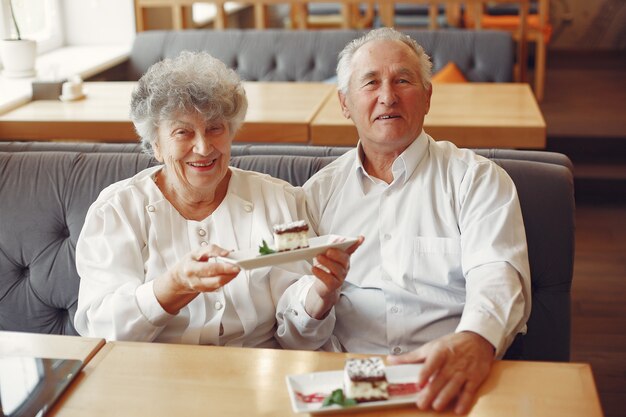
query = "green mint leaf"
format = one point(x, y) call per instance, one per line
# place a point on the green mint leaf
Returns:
point(337, 397)
point(349, 402)
point(265, 249)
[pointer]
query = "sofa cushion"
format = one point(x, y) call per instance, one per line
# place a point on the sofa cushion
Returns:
point(284, 55)
point(450, 73)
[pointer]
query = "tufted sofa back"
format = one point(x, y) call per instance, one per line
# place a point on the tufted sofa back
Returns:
point(45, 194)
point(285, 55)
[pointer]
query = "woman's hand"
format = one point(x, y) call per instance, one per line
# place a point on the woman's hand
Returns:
point(331, 271)
point(195, 273)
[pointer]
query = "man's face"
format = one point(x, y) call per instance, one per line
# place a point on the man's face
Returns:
point(386, 99)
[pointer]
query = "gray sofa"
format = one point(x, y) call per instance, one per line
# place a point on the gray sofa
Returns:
point(284, 55)
point(46, 189)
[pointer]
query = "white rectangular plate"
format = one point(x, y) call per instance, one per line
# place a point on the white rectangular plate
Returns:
point(251, 258)
point(320, 384)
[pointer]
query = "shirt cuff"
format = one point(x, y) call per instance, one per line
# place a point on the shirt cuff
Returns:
point(299, 317)
point(482, 323)
point(150, 306)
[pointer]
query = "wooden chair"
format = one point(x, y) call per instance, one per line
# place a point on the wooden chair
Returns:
point(538, 31)
point(180, 12)
point(344, 15)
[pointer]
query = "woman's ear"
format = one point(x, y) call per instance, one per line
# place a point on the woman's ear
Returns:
point(157, 151)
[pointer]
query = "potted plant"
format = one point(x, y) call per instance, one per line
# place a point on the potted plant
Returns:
point(17, 54)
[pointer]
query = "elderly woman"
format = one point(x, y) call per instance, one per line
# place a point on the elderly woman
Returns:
point(146, 254)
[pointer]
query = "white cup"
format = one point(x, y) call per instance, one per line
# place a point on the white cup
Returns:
point(72, 89)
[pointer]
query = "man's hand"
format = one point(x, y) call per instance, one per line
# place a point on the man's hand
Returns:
point(454, 367)
point(331, 271)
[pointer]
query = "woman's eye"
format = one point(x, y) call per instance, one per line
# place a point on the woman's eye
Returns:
point(180, 133)
point(216, 129)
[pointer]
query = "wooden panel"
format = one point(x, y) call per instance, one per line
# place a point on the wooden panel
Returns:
point(480, 115)
point(48, 346)
point(279, 112)
point(137, 379)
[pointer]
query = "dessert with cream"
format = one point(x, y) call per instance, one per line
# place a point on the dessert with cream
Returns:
point(290, 236)
point(365, 380)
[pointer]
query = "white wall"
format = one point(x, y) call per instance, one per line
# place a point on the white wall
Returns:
point(98, 22)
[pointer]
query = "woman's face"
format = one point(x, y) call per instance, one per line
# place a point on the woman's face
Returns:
point(196, 153)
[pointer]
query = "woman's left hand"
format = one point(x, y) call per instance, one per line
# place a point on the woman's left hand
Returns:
point(331, 270)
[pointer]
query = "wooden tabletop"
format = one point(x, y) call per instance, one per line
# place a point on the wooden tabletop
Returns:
point(48, 346)
point(131, 379)
point(474, 115)
point(277, 112)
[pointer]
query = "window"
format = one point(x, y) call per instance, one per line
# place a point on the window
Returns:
point(39, 20)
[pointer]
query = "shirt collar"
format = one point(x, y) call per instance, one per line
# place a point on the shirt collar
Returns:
point(402, 168)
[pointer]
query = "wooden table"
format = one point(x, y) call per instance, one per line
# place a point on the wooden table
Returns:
point(277, 112)
point(474, 115)
point(132, 379)
point(48, 346)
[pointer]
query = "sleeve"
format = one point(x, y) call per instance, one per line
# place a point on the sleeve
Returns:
point(495, 257)
point(296, 328)
point(114, 301)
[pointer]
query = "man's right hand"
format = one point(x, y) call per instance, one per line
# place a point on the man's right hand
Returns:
point(454, 367)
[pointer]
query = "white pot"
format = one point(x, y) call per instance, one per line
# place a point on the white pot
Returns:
point(18, 57)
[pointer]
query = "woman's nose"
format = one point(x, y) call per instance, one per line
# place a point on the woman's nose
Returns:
point(202, 144)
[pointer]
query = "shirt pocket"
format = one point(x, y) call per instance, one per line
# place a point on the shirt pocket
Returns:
point(437, 261)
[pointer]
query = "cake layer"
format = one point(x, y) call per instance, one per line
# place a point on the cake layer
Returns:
point(290, 236)
point(365, 380)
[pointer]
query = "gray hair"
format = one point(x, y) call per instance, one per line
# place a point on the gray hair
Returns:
point(194, 82)
point(344, 66)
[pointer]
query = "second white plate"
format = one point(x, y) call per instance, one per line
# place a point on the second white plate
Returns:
point(251, 259)
point(306, 391)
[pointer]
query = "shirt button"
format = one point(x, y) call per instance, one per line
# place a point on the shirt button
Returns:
point(395, 310)
point(218, 305)
point(397, 350)
point(247, 208)
point(204, 243)
point(202, 232)
point(387, 236)
point(151, 209)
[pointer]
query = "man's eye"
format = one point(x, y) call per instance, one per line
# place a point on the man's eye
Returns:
point(369, 83)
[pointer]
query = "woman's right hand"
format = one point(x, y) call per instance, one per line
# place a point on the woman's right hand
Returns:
point(195, 273)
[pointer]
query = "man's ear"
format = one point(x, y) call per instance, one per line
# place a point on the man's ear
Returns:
point(429, 94)
point(342, 103)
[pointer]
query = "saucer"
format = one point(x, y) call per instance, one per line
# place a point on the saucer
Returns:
point(72, 98)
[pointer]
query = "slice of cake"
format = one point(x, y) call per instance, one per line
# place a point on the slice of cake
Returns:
point(365, 380)
point(290, 236)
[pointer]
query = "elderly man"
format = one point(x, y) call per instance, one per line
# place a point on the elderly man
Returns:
point(443, 276)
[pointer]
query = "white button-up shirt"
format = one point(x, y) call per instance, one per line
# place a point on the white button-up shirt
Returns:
point(444, 251)
point(132, 235)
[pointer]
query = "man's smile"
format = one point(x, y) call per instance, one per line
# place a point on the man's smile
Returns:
point(387, 117)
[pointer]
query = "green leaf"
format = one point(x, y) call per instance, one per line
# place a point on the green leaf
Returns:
point(337, 397)
point(264, 249)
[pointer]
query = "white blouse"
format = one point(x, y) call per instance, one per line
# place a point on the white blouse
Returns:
point(132, 235)
point(444, 250)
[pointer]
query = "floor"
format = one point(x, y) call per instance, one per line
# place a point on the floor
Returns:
point(599, 300)
point(585, 112)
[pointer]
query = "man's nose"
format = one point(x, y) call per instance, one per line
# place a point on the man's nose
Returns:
point(387, 94)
